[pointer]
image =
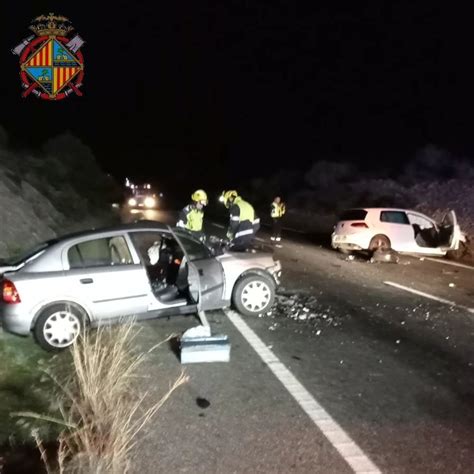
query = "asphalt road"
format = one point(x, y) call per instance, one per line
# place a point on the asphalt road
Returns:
point(384, 350)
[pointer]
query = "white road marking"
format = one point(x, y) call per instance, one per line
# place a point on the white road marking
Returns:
point(347, 448)
point(448, 262)
point(428, 295)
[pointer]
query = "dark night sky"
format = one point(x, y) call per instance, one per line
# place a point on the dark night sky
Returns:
point(241, 88)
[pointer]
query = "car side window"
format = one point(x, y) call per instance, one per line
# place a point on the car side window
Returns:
point(143, 241)
point(161, 242)
point(195, 250)
point(394, 217)
point(99, 253)
point(422, 222)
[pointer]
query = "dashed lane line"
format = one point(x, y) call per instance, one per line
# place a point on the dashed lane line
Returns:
point(342, 442)
point(447, 262)
point(428, 295)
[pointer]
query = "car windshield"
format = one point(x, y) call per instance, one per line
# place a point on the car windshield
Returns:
point(29, 254)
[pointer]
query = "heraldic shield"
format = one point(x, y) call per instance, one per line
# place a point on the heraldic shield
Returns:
point(52, 65)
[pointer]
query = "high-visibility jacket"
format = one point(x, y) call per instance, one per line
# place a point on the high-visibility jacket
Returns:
point(191, 218)
point(278, 210)
point(242, 218)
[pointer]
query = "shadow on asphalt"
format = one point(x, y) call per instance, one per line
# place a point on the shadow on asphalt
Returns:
point(174, 346)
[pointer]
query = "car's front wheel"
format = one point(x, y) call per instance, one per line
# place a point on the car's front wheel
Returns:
point(254, 294)
point(57, 327)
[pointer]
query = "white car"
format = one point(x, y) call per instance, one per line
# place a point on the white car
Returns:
point(402, 230)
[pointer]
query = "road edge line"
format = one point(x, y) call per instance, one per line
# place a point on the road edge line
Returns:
point(427, 295)
point(339, 439)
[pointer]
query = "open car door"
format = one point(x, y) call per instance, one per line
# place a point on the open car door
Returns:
point(193, 281)
point(450, 232)
point(192, 273)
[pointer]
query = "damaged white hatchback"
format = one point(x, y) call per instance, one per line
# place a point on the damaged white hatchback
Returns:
point(402, 230)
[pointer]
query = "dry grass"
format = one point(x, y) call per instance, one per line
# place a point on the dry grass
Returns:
point(102, 410)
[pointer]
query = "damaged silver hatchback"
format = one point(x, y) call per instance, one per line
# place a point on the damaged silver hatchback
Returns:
point(145, 269)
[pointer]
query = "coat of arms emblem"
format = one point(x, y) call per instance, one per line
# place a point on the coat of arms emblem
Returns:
point(52, 65)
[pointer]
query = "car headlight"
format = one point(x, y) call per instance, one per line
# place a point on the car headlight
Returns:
point(150, 202)
point(132, 202)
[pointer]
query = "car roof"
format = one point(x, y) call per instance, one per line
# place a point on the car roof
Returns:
point(137, 225)
point(375, 209)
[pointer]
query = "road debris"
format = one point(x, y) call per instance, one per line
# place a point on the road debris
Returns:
point(303, 308)
point(385, 256)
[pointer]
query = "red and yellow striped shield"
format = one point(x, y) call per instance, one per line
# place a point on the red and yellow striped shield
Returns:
point(63, 69)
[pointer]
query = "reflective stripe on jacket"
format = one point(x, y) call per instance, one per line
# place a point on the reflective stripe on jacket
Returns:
point(241, 212)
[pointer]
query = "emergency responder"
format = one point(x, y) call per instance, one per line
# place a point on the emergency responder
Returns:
point(278, 210)
point(243, 223)
point(192, 216)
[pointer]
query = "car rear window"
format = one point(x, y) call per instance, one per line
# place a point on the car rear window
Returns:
point(394, 217)
point(353, 215)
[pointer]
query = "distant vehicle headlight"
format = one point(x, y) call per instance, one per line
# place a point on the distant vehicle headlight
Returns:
point(150, 202)
point(132, 202)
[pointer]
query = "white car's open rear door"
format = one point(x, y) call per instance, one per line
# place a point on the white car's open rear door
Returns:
point(450, 232)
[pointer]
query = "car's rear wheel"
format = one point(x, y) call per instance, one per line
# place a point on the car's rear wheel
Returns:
point(57, 327)
point(379, 242)
point(254, 294)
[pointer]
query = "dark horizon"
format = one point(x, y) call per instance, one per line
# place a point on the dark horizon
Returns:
point(198, 94)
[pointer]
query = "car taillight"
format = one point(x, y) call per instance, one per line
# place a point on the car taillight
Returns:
point(10, 294)
point(360, 224)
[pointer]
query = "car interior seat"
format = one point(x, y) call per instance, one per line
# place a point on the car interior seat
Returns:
point(172, 274)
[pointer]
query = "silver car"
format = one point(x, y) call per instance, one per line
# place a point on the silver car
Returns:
point(145, 269)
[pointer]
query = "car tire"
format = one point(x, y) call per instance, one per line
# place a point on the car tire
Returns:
point(380, 242)
point(253, 294)
point(58, 326)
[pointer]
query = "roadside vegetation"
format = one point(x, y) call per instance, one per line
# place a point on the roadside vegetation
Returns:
point(23, 386)
point(96, 410)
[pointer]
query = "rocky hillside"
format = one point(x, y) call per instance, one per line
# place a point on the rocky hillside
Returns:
point(51, 191)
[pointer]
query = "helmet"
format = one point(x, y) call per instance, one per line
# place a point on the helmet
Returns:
point(199, 196)
point(227, 195)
